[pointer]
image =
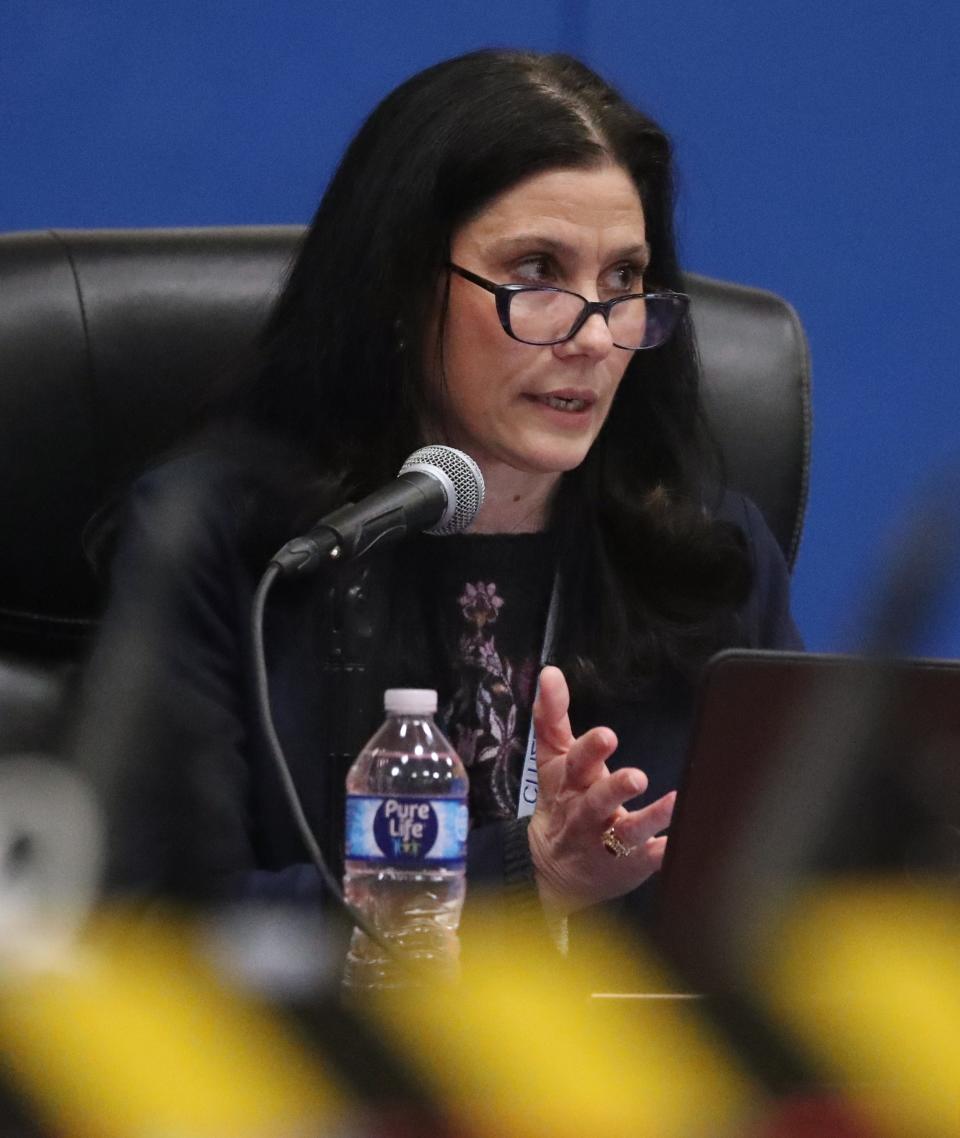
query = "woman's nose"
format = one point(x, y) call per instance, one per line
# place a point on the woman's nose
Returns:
point(592, 339)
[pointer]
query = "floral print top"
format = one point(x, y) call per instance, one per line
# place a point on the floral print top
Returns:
point(494, 595)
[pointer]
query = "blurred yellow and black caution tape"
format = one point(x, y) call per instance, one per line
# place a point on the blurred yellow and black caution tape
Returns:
point(520, 1050)
point(869, 976)
point(134, 1032)
point(131, 1033)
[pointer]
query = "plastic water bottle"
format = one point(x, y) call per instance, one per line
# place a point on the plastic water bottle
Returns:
point(406, 840)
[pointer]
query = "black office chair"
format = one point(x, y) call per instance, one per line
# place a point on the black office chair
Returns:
point(109, 343)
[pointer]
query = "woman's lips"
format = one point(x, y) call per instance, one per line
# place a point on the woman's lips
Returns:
point(570, 402)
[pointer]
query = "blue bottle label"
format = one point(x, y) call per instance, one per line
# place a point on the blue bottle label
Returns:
point(407, 832)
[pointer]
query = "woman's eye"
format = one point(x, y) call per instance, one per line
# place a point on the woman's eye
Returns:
point(535, 270)
point(625, 278)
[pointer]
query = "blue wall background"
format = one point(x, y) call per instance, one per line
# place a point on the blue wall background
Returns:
point(817, 144)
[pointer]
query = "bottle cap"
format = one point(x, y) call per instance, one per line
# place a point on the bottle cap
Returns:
point(410, 701)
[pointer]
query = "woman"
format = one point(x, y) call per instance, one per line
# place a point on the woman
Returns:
point(580, 406)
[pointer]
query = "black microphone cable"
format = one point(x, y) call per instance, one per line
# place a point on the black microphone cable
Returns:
point(262, 692)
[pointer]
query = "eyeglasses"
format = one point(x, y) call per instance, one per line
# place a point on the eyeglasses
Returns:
point(542, 315)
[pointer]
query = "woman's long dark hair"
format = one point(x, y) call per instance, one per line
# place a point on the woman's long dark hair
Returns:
point(649, 576)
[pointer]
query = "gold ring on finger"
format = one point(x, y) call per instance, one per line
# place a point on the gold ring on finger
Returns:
point(613, 845)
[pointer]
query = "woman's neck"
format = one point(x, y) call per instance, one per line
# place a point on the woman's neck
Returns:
point(514, 501)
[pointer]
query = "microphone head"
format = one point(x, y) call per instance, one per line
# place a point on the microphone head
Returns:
point(461, 479)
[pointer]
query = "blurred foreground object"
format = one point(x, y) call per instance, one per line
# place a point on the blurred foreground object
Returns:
point(147, 1028)
point(50, 858)
point(521, 1050)
point(869, 977)
point(134, 1035)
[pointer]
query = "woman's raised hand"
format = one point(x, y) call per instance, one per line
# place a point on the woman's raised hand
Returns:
point(579, 799)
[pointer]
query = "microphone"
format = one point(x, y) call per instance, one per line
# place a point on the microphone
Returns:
point(437, 490)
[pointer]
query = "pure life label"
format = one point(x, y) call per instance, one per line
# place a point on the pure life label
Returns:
point(407, 832)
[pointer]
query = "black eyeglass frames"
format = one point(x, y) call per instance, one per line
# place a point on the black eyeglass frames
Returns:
point(544, 315)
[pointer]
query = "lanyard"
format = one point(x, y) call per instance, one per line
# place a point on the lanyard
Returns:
point(527, 798)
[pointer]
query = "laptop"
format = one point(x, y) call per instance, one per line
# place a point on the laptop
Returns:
point(802, 766)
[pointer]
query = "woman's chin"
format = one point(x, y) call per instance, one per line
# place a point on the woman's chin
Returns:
point(541, 461)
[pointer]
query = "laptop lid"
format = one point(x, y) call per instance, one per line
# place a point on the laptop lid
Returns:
point(802, 765)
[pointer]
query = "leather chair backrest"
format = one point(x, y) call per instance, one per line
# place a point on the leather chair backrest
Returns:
point(111, 340)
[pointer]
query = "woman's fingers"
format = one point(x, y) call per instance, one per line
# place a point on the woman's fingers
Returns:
point(604, 797)
point(551, 716)
point(639, 826)
point(652, 852)
point(587, 758)
point(584, 760)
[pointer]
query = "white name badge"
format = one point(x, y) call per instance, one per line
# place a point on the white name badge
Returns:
point(529, 785)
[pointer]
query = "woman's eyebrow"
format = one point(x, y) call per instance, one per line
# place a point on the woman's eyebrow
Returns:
point(533, 241)
point(639, 252)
